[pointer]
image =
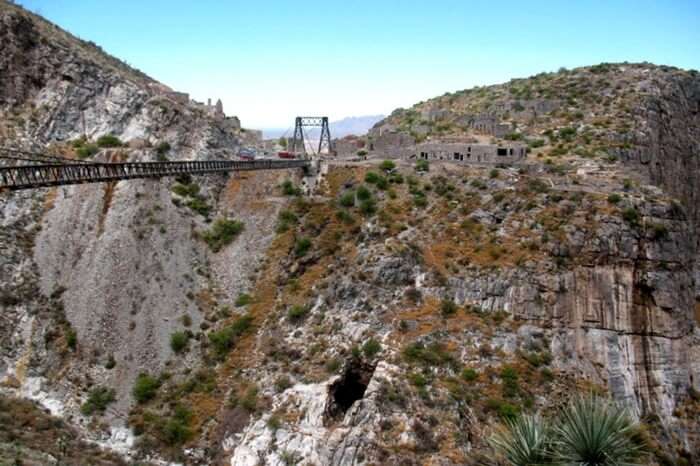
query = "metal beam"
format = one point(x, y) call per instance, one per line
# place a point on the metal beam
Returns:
point(38, 176)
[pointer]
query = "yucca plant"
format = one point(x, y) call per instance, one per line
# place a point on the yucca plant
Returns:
point(593, 431)
point(523, 441)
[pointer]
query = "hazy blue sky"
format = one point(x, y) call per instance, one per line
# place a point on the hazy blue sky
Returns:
point(270, 60)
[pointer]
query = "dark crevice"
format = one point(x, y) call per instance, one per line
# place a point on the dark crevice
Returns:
point(349, 388)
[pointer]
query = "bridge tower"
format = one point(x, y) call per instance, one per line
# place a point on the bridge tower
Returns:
point(324, 142)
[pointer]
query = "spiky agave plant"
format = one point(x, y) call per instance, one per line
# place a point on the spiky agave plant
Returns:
point(594, 431)
point(523, 441)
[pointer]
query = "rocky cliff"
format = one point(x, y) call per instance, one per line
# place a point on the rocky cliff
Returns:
point(391, 316)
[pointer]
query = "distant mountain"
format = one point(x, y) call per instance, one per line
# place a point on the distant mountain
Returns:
point(341, 128)
point(354, 125)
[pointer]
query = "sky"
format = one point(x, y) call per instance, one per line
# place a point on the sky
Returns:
point(271, 60)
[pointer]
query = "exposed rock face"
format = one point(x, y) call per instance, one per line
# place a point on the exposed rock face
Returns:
point(376, 332)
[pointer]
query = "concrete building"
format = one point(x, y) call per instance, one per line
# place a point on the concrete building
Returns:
point(471, 153)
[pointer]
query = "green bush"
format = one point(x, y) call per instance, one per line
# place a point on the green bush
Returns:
point(614, 198)
point(222, 233)
point(297, 313)
point(86, 151)
point(631, 216)
point(659, 231)
point(71, 338)
point(509, 378)
point(288, 188)
point(371, 348)
point(469, 374)
point(302, 246)
point(285, 220)
point(176, 430)
point(387, 165)
point(368, 207)
point(434, 354)
point(448, 307)
point(145, 388)
point(345, 217)
point(162, 150)
point(243, 300)
point(109, 140)
point(505, 410)
point(363, 193)
point(97, 401)
point(422, 165)
point(494, 173)
point(186, 190)
point(371, 177)
point(199, 205)
point(223, 340)
point(178, 341)
point(382, 183)
point(347, 199)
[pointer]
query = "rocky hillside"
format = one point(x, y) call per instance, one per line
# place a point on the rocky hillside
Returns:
point(394, 315)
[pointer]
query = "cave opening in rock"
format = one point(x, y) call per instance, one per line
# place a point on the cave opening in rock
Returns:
point(349, 388)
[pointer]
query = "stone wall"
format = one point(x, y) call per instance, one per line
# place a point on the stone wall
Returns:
point(472, 153)
point(392, 144)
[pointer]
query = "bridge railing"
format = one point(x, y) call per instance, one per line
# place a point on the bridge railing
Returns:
point(35, 176)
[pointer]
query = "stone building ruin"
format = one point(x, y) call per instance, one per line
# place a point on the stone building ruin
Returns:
point(470, 153)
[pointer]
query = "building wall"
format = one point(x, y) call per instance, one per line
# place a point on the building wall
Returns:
point(469, 153)
point(392, 144)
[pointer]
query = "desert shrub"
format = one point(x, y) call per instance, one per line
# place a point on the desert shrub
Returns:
point(162, 150)
point(382, 183)
point(368, 207)
point(448, 307)
point(345, 217)
point(243, 299)
point(186, 190)
point(332, 365)
point(111, 362)
point(361, 152)
point(535, 143)
point(97, 401)
point(175, 430)
point(178, 341)
point(509, 378)
point(396, 178)
point(422, 165)
point(145, 388)
point(223, 340)
point(109, 140)
point(71, 338)
point(614, 198)
point(503, 409)
point(285, 220)
point(494, 173)
point(288, 188)
point(469, 374)
point(538, 186)
point(372, 177)
point(199, 205)
point(659, 231)
point(347, 199)
point(371, 348)
point(282, 383)
point(222, 233)
point(297, 313)
point(88, 150)
point(302, 246)
point(387, 165)
point(434, 354)
point(363, 193)
point(631, 216)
